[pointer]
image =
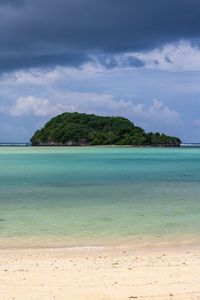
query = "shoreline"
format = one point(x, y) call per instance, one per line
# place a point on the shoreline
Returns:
point(145, 248)
point(99, 274)
point(139, 243)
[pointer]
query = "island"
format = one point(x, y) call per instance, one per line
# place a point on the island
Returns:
point(81, 129)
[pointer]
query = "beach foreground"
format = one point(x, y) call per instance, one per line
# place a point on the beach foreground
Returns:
point(99, 274)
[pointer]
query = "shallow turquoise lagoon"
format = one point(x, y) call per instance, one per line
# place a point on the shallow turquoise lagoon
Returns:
point(92, 196)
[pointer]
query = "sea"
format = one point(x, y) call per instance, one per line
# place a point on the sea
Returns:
point(99, 196)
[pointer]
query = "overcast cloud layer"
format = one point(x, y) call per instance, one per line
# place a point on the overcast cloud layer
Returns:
point(134, 58)
point(49, 32)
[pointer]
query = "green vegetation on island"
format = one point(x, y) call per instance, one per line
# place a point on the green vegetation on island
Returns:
point(77, 129)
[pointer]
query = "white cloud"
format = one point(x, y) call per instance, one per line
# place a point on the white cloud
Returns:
point(68, 101)
point(32, 106)
point(35, 76)
point(156, 112)
point(93, 103)
point(180, 56)
point(45, 77)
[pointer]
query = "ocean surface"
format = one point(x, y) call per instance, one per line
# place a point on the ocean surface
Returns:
point(97, 196)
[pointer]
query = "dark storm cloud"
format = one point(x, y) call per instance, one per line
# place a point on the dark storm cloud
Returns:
point(19, 61)
point(49, 32)
point(12, 2)
point(110, 61)
point(134, 62)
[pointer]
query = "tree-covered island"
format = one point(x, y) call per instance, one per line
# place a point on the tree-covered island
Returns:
point(79, 129)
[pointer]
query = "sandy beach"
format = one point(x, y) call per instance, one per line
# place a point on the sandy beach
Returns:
point(99, 274)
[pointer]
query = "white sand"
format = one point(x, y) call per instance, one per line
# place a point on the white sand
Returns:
point(99, 274)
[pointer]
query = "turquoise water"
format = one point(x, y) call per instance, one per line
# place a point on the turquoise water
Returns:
point(98, 196)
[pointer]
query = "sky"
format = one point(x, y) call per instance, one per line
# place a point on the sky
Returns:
point(138, 59)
